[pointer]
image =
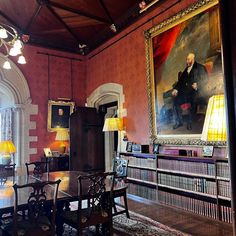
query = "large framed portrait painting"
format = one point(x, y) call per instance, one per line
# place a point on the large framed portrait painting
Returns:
point(59, 114)
point(184, 69)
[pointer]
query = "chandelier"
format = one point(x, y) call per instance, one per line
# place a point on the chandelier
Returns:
point(11, 45)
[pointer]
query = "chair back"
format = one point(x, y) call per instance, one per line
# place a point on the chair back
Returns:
point(120, 166)
point(98, 188)
point(6, 171)
point(37, 205)
point(39, 167)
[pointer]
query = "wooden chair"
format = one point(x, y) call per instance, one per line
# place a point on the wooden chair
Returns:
point(41, 214)
point(6, 171)
point(99, 209)
point(120, 167)
point(40, 167)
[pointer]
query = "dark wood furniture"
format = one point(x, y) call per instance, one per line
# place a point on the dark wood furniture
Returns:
point(192, 182)
point(120, 167)
point(40, 218)
point(6, 171)
point(86, 140)
point(68, 191)
point(99, 209)
point(60, 163)
point(39, 167)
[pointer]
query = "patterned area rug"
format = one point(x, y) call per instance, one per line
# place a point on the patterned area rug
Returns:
point(137, 225)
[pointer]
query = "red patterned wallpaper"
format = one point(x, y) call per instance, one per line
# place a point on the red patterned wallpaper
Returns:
point(56, 84)
point(124, 62)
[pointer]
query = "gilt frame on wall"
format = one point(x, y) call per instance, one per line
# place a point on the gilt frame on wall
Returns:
point(194, 30)
point(58, 114)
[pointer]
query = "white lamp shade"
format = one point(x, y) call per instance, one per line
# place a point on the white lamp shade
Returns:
point(214, 128)
point(62, 135)
point(7, 65)
point(113, 124)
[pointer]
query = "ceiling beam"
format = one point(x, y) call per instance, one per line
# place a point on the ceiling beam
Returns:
point(33, 18)
point(12, 22)
point(76, 11)
point(106, 11)
point(64, 24)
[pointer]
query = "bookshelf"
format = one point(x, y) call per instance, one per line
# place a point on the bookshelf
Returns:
point(193, 183)
point(142, 175)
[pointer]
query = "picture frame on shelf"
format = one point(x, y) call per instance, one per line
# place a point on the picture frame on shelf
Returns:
point(47, 152)
point(155, 148)
point(176, 116)
point(129, 146)
point(207, 151)
point(58, 114)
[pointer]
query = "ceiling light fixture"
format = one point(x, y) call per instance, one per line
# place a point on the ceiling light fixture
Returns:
point(12, 45)
point(144, 7)
point(113, 28)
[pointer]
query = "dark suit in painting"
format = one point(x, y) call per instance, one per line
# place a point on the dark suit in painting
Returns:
point(188, 95)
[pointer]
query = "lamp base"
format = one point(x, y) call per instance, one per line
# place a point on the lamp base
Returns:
point(62, 149)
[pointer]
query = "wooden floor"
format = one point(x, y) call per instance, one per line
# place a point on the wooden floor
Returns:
point(178, 219)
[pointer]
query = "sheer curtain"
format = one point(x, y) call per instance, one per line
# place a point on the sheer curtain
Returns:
point(6, 124)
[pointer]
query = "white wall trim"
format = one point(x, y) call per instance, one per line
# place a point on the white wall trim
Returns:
point(15, 86)
point(104, 92)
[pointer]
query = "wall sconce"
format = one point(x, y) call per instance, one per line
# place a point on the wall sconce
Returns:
point(214, 128)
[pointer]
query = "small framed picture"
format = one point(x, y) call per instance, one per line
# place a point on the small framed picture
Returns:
point(129, 146)
point(47, 152)
point(207, 151)
point(155, 148)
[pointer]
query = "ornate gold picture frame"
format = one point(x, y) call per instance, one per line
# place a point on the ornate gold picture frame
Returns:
point(177, 118)
point(58, 114)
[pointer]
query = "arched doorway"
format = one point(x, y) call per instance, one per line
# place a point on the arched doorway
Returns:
point(15, 94)
point(105, 94)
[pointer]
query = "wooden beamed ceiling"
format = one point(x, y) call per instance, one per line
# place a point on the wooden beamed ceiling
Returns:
point(77, 26)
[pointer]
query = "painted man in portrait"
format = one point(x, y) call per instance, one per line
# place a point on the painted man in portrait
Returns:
point(187, 91)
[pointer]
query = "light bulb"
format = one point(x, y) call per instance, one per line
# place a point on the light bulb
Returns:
point(7, 65)
point(14, 51)
point(17, 44)
point(21, 60)
point(3, 33)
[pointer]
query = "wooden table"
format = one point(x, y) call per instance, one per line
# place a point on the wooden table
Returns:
point(68, 191)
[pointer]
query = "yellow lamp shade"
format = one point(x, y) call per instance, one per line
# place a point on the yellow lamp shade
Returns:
point(113, 124)
point(62, 135)
point(7, 147)
point(214, 128)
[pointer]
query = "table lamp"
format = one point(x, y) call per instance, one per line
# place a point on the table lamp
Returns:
point(62, 135)
point(214, 128)
point(113, 124)
point(7, 148)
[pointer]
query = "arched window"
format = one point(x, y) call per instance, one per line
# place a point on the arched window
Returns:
point(15, 111)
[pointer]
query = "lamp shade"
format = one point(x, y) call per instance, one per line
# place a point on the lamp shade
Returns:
point(7, 147)
point(214, 128)
point(62, 135)
point(113, 124)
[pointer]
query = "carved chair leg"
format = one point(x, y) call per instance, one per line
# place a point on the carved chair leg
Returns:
point(126, 205)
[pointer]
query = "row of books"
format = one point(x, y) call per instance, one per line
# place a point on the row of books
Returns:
point(226, 214)
point(224, 188)
point(193, 184)
point(143, 162)
point(190, 204)
point(187, 166)
point(223, 169)
point(142, 191)
point(142, 174)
